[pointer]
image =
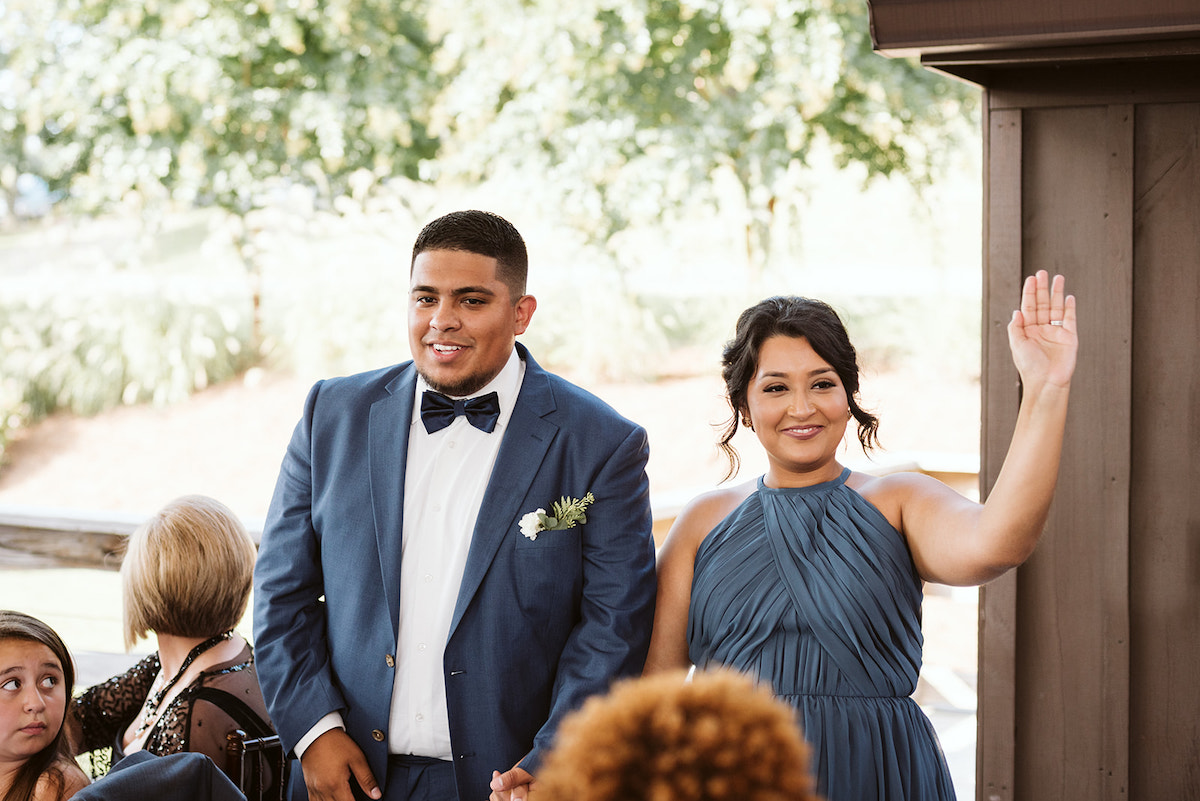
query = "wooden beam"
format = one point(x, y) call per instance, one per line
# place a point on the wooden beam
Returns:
point(37, 537)
point(33, 537)
point(996, 741)
point(904, 26)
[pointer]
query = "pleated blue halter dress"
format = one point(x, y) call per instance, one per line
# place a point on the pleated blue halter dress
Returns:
point(813, 591)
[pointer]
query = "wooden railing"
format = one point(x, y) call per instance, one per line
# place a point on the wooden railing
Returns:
point(34, 537)
point(38, 537)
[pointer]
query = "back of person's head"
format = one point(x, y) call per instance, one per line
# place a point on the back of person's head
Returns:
point(717, 737)
point(187, 571)
point(797, 317)
point(19, 626)
point(482, 233)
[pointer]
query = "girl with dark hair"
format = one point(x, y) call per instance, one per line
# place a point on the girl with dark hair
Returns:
point(810, 578)
point(36, 677)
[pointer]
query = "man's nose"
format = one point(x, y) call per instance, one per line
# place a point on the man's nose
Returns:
point(445, 317)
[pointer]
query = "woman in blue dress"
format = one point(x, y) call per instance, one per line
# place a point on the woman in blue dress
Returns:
point(810, 577)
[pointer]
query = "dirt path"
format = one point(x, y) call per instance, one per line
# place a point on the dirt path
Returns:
point(227, 441)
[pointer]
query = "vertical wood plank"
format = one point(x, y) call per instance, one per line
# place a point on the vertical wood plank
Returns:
point(1114, 619)
point(995, 749)
point(1165, 505)
point(1072, 690)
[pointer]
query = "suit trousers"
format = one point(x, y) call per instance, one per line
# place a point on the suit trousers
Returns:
point(414, 778)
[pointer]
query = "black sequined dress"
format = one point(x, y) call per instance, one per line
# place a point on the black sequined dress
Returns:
point(103, 713)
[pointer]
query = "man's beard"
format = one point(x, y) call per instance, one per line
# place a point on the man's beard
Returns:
point(468, 385)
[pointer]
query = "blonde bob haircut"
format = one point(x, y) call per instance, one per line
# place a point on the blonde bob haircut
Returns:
point(718, 737)
point(187, 571)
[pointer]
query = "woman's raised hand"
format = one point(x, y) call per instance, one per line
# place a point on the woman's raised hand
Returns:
point(1042, 333)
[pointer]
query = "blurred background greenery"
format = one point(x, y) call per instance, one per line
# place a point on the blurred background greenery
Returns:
point(197, 190)
point(194, 187)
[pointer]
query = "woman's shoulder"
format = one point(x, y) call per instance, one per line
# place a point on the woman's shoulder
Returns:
point(74, 779)
point(60, 783)
point(703, 513)
point(231, 687)
point(722, 498)
point(890, 493)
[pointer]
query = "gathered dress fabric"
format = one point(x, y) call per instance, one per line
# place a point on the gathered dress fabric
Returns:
point(814, 592)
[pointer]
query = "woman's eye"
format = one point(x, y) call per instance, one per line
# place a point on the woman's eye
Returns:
point(50, 682)
point(825, 384)
point(11, 684)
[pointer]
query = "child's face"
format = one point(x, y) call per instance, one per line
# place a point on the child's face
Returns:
point(33, 699)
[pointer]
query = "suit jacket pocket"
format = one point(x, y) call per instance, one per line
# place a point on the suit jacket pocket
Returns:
point(549, 577)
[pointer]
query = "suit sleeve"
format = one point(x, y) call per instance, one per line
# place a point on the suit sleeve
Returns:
point(291, 645)
point(612, 636)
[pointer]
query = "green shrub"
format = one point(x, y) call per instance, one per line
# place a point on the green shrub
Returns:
point(96, 345)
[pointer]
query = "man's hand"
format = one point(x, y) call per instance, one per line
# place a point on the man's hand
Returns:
point(512, 785)
point(331, 763)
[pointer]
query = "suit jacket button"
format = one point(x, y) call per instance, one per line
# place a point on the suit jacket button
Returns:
point(377, 735)
point(390, 661)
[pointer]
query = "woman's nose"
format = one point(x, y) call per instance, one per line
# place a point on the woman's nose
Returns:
point(800, 405)
point(33, 700)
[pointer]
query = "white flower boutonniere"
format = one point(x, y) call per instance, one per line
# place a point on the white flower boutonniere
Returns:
point(565, 513)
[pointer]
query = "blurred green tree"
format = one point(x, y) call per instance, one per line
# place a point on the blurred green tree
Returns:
point(636, 105)
point(237, 104)
point(616, 110)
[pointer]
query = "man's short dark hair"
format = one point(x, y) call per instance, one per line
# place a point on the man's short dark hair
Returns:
point(485, 234)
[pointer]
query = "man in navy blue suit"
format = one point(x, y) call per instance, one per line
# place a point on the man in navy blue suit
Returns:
point(424, 613)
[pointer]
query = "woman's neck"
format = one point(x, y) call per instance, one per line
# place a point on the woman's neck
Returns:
point(777, 476)
point(174, 649)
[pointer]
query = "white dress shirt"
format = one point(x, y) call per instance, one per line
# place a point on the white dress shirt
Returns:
point(446, 475)
point(444, 483)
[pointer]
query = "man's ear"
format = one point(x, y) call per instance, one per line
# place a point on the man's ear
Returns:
point(523, 311)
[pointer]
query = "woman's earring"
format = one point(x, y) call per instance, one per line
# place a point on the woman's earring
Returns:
point(746, 422)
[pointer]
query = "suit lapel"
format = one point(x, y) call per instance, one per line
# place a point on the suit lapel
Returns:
point(525, 444)
point(387, 443)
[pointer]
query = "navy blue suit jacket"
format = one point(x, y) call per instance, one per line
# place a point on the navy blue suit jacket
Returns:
point(539, 625)
point(186, 776)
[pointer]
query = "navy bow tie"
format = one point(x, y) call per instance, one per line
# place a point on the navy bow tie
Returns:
point(439, 411)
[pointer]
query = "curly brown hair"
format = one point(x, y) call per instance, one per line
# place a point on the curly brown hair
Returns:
point(718, 737)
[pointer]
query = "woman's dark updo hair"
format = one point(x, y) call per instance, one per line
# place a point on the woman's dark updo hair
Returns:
point(789, 316)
